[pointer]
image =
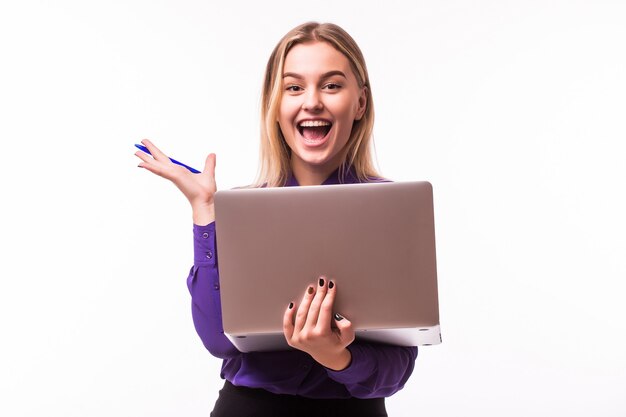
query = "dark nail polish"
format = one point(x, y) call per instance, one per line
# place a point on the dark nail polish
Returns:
point(338, 317)
point(290, 306)
point(331, 284)
point(310, 290)
point(321, 282)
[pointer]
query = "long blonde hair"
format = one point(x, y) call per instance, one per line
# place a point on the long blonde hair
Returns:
point(274, 169)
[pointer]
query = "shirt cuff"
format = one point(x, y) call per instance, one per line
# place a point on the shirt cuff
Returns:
point(360, 366)
point(204, 247)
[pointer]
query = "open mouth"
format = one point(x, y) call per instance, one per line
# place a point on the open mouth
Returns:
point(314, 130)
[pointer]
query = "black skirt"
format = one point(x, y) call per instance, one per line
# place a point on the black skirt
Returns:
point(235, 401)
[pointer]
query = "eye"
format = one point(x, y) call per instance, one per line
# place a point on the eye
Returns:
point(332, 86)
point(293, 88)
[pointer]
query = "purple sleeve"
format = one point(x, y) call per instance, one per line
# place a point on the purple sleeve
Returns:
point(376, 370)
point(204, 285)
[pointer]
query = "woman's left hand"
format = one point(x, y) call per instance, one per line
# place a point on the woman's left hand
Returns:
point(312, 330)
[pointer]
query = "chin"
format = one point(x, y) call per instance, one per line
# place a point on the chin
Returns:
point(316, 160)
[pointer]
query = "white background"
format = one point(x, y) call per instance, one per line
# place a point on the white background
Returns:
point(514, 110)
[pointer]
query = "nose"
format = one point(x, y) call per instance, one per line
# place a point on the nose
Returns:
point(312, 100)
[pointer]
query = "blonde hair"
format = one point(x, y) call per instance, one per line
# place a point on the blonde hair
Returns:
point(274, 169)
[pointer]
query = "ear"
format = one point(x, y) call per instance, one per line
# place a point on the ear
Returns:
point(362, 104)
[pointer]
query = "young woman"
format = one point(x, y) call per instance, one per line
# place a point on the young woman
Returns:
point(317, 117)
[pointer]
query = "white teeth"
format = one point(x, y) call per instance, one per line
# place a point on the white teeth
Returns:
point(314, 123)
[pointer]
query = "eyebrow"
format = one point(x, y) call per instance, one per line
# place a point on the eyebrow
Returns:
point(325, 75)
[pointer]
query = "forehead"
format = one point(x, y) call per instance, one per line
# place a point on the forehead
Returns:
point(314, 58)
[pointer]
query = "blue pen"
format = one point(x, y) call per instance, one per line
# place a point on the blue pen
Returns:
point(143, 148)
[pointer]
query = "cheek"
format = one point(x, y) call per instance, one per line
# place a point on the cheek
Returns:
point(346, 108)
point(346, 119)
point(286, 112)
point(281, 112)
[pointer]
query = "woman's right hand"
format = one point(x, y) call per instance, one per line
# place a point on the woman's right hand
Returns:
point(198, 188)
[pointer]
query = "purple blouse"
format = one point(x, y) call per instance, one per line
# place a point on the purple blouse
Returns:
point(376, 370)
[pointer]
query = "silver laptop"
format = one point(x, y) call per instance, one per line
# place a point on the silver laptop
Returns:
point(376, 241)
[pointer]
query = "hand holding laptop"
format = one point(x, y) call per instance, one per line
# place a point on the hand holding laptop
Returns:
point(312, 330)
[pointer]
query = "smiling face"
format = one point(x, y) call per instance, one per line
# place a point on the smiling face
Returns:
point(321, 99)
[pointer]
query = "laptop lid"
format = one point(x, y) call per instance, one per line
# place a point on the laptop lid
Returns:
point(376, 241)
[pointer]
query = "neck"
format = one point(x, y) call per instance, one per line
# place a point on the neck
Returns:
point(307, 175)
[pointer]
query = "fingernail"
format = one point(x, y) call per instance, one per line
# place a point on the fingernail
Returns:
point(321, 282)
point(290, 306)
point(310, 290)
point(338, 317)
point(331, 284)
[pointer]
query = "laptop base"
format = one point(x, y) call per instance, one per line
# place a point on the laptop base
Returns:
point(264, 342)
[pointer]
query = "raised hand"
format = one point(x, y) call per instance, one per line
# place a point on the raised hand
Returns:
point(199, 189)
point(316, 330)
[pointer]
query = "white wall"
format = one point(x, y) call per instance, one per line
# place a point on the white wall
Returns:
point(514, 110)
